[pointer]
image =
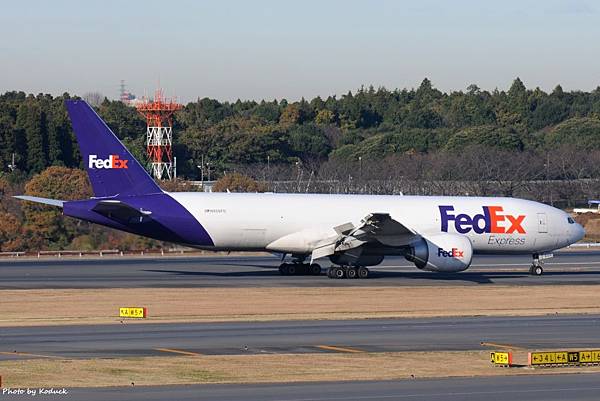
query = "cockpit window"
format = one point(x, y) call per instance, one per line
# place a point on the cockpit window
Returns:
point(570, 220)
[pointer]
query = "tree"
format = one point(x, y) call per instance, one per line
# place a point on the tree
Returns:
point(123, 120)
point(324, 117)
point(473, 89)
point(236, 182)
point(207, 112)
point(583, 132)
point(423, 118)
point(290, 115)
point(62, 147)
point(548, 111)
point(269, 112)
point(501, 137)
point(517, 89)
point(45, 225)
point(308, 141)
point(11, 236)
point(32, 122)
point(94, 99)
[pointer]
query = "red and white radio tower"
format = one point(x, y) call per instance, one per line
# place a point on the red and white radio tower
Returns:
point(159, 134)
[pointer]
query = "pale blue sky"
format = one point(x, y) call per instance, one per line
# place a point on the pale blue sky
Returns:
point(288, 49)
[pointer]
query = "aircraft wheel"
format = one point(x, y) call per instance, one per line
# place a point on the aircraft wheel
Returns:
point(315, 269)
point(292, 270)
point(283, 269)
point(338, 272)
point(330, 272)
point(363, 272)
point(538, 270)
point(352, 272)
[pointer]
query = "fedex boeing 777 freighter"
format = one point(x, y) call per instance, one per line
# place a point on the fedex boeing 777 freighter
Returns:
point(437, 233)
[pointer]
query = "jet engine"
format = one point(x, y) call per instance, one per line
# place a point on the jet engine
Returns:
point(441, 253)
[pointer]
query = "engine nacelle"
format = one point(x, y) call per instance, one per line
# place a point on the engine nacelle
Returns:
point(442, 253)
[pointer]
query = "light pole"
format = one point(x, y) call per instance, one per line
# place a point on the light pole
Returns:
point(201, 167)
point(548, 185)
point(12, 166)
point(201, 174)
point(360, 167)
point(269, 168)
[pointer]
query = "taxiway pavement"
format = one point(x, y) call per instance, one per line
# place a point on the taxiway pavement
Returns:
point(574, 387)
point(370, 335)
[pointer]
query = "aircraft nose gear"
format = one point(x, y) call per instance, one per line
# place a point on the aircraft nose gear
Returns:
point(536, 268)
point(299, 269)
point(340, 272)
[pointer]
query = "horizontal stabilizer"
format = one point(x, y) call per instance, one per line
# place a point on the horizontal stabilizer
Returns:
point(121, 212)
point(45, 201)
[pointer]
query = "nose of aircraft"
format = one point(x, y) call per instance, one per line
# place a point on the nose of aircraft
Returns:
point(577, 232)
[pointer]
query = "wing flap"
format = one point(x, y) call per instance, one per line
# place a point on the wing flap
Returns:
point(323, 251)
point(374, 228)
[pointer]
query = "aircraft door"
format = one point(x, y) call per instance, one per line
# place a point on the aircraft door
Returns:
point(542, 223)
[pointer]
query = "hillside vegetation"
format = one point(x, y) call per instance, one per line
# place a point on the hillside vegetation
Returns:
point(369, 123)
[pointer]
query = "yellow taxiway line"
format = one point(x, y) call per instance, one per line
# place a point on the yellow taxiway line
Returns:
point(340, 349)
point(178, 351)
point(485, 344)
point(28, 354)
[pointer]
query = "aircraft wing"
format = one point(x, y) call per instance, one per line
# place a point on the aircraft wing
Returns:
point(121, 211)
point(378, 228)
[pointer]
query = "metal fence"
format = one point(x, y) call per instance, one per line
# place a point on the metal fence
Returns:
point(158, 252)
point(98, 253)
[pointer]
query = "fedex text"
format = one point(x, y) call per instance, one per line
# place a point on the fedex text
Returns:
point(113, 161)
point(493, 220)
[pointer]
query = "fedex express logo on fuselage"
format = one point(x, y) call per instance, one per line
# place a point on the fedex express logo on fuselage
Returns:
point(492, 220)
point(453, 253)
point(113, 161)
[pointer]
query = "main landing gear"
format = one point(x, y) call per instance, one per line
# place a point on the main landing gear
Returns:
point(299, 269)
point(340, 272)
point(536, 268)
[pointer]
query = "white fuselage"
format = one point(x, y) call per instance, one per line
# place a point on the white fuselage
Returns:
point(294, 222)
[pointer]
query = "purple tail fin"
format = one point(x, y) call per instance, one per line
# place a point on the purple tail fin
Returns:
point(110, 166)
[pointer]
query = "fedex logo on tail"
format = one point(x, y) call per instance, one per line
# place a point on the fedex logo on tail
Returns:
point(113, 161)
point(492, 220)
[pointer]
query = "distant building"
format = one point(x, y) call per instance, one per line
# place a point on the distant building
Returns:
point(125, 96)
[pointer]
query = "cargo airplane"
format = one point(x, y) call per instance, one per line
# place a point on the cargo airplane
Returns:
point(436, 233)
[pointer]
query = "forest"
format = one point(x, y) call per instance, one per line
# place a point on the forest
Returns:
point(516, 142)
